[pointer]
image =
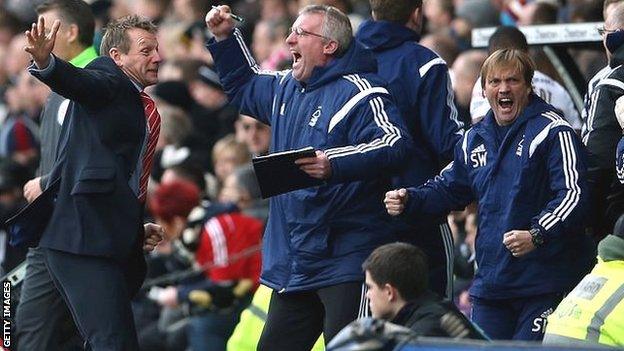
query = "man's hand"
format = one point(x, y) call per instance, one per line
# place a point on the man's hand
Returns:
point(219, 22)
point(168, 297)
point(519, 242)
point(32, 189)
point(153, 235)
point(40, 44)
point(395, 201)
point(316, 167)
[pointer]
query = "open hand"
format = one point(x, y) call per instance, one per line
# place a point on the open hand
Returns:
point(40, 43)
point(219, 22)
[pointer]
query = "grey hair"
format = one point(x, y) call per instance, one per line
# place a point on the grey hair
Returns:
point(336, 25)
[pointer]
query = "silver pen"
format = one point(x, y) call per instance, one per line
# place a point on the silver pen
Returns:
point(235, 17)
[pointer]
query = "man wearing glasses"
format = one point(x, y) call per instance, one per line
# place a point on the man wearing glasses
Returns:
point(317, 238)
point(601, 131)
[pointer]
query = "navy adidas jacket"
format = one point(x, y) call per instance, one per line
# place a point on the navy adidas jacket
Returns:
point(418, 79)
point(536, 178)
point(320, 236)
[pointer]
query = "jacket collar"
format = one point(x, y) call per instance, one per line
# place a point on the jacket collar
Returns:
point(357, 59)
point(618, 57)
point(383, 35)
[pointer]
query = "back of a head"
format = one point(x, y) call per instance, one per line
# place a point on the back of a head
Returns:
point(174, 199)
point(76, 12)
point(618, 228)
point(507, 37)
point(336, 25)
point(401, 265)
point(115, 33)
point(397, 11)
point(246, 179)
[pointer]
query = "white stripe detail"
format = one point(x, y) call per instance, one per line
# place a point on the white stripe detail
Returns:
point(465, 145)
point(612, 82)
point(342, 113)
point(450, 102)
point(364, 310)
point(592, 114)
point(427, 66)
point(381, 119)
point(571, 176)
point(447, 240)
point(541, 136)
point(217, 239)
point(250, 60)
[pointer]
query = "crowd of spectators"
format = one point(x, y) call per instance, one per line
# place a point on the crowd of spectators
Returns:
point(202, 190)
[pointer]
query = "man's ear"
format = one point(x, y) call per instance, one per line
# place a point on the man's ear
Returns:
point(330, 48)
point(415, 20)
point(72, 35)
point(115, 54)
point(390, 292)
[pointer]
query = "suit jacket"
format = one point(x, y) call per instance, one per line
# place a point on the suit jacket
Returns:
point(96, 212)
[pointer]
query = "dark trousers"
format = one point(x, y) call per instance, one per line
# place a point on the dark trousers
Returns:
point(43, 321)
point(514, 319)
point(97, 292)
point(296, 320)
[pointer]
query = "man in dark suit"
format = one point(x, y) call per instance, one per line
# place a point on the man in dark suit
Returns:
point(93, 240)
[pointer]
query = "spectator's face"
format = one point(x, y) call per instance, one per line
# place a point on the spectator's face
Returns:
point(256, 135)
point(507, 93)
point(308, 47)
point(261, 44)
point(142, 59)
point(225, 164)
point(379, 299)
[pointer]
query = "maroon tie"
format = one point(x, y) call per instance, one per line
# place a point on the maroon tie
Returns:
point(152, 118)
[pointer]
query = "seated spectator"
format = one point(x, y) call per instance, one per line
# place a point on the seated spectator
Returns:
point(241, 188)
point(593, 313)
point(228, 154)
point(226, 249)
point(396, 278)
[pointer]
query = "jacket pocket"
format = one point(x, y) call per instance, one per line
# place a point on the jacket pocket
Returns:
point(95, 181)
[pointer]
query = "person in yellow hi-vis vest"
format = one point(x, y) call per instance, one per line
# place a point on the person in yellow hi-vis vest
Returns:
point(593, 313)
point(247, 333)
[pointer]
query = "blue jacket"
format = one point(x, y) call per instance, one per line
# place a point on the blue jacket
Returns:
point(536, 178)
point(319, 236)
point(418, 79)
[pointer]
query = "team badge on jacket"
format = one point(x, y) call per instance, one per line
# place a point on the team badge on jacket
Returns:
point(315, 116)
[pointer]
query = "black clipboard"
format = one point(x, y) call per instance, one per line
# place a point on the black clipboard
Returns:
point(277, 173)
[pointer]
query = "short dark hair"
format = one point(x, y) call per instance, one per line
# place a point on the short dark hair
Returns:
point(402, 265)
point(75, 12)
point(398, 11)
point(507, 37)
point(116, 33)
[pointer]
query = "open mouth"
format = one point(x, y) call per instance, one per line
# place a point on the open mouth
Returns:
point(505, 103)
point(296, 57)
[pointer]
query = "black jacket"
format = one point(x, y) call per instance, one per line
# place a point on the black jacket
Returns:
point(602, 134)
